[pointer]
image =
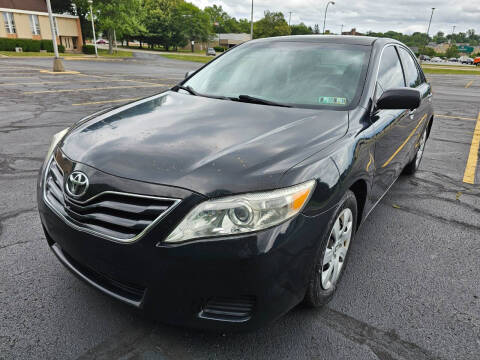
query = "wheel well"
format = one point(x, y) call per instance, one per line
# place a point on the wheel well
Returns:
point(359, 188)
point(429, 126)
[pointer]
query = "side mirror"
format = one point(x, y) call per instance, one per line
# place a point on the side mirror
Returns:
point(401, 98)
point(188, 73)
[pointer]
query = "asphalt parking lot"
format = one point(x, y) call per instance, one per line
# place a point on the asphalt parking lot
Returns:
point(411, 290)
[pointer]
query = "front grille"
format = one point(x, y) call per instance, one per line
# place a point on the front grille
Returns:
point(113, 215)
point(238, 309)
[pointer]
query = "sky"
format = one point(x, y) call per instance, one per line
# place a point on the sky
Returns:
point(405, 16)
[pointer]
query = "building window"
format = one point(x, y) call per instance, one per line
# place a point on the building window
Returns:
point(9, 23)
point(35, 24)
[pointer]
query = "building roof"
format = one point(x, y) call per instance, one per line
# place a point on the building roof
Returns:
point(32, 5)
point(235, 37)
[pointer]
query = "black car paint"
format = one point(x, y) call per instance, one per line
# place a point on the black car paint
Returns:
point(254, 143)
point(274, 265)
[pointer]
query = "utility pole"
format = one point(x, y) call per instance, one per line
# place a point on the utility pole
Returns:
point(57, 62)
point(429, 23)
point(341, 29)
point(251, 23)
point(325, 16)
point(453, 33)
point(90, 2)
point(115, 40)
point(289, 17)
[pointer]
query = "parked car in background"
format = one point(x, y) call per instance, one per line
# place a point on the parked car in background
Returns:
point(102, 41)
point(436, 59)
point(453, 59)
point(424, 57)
point(465, 60)
point(476, 61)
point(211, 52)
point(235, 195)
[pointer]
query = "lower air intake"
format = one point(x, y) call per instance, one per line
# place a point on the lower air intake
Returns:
point(238, 309)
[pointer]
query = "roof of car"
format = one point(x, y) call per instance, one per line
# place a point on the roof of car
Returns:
point(334, 39)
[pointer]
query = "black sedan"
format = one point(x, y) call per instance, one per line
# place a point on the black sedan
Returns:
point(234, 196)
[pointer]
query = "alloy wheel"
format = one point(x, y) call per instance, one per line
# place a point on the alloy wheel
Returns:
point(337, 248)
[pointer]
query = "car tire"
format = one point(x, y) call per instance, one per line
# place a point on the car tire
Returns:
point(413, 165)
point(320, 288)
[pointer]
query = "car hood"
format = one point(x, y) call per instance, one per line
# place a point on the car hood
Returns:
point(214, 147)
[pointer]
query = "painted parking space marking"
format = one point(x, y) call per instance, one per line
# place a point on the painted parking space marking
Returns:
point(60, 73)
point(92, 89)
point(109, 78)
point(455, 117)
point(472, 161)
point(69, 82)
point(105, 102)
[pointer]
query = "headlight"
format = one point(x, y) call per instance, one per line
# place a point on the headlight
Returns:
point(55, 140)
point(242, 213)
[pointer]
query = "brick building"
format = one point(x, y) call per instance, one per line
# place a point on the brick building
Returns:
point(28, 19)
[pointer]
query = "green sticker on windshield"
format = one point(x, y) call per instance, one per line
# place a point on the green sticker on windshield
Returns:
point(332, 100)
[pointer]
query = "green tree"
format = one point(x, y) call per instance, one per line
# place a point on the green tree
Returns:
point(189, 23)
point(219, 16)
point(121, 16)
point(272, 24)
point(301, 29)
point(439, 38)
point(244, 26)
point(158, 20)
point(452, 51)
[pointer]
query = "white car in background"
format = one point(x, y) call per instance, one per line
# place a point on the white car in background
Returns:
point(436, 59)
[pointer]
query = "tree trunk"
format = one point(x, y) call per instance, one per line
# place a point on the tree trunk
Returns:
point(110, 42)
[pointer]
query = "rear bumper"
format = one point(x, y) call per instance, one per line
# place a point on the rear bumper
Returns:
point(257, 277)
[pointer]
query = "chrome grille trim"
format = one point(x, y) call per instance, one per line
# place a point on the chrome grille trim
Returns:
point(60, 199)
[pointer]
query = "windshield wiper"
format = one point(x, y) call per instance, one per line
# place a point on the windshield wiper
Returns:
point(186, 88)
point(196, 93)
point(255, 100)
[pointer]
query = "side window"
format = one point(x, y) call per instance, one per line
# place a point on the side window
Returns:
point(412, 75)
point(390, 74)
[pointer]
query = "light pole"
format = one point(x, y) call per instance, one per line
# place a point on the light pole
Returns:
point(289, 17)
point(325, 16)
point(90, 2)
point(429, 23)
point(57, 62)
point(251, 23)
point(453, 33)
point(341, 29)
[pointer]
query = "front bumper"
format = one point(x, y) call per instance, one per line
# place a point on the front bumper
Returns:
point(250, 279)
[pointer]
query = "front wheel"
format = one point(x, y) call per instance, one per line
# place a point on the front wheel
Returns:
point(331, 258)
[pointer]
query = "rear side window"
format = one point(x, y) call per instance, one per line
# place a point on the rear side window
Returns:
point(412, 75)
point(390, 74)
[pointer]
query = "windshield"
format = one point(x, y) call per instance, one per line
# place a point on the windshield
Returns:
point(304, 74)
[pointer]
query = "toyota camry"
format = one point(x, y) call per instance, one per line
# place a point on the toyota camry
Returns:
point(232, 197)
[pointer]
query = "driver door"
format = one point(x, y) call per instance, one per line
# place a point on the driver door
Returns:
point(391, 126)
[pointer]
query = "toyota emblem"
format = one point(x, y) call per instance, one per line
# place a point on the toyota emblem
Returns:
point(77, 184)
